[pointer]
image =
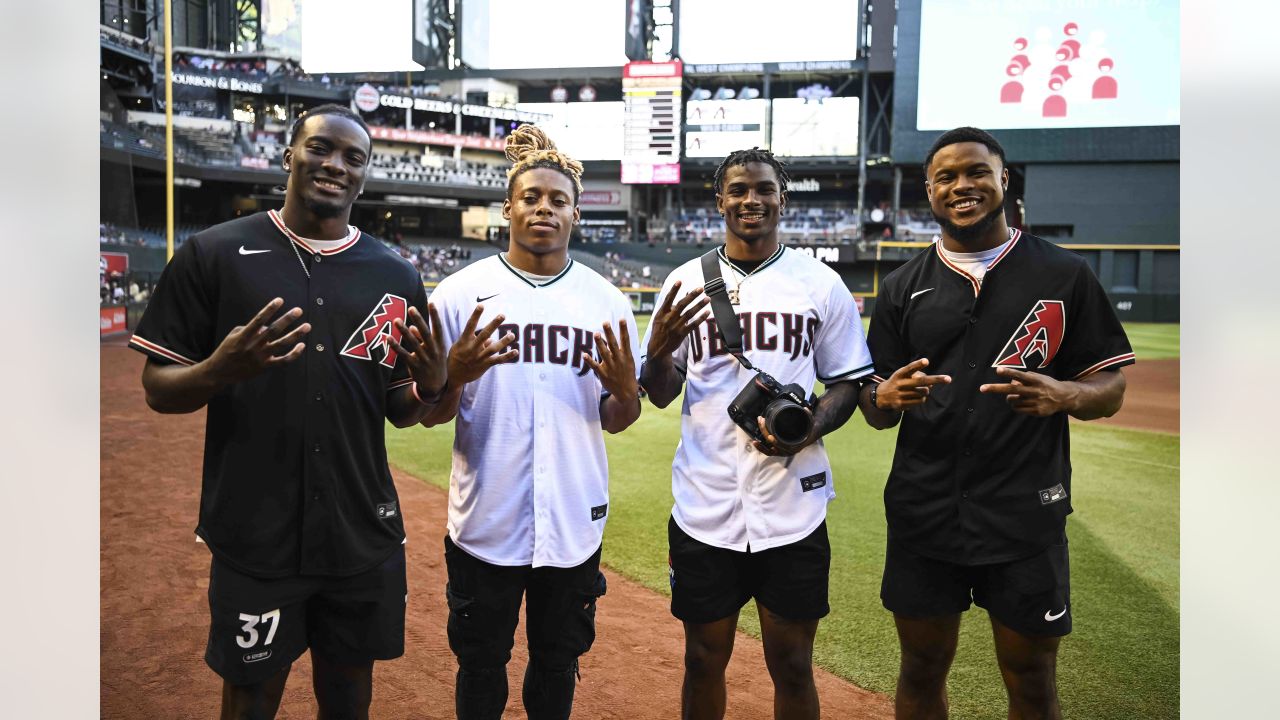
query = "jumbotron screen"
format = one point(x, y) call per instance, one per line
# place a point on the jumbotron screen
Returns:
point(715, 128)
point(763, 31)
point(506, 34)
point(811, 128)
point(336, 39)
point(1048, 64)
point(583, 130)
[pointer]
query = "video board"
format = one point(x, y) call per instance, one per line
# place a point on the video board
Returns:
point(497, 34)
point(583, 130)
point(764, 31)
point(1050, 64)
point(715, 128)
point(337, 40)
point(810, 128)
point(1083, 130)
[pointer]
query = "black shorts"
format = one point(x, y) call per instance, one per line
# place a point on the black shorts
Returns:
point(1031, 595)
point(259, 627)
point(709, 583)
point(484, 609)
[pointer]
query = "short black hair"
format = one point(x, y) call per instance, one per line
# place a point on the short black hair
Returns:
point(961, 135)
point(328, 109)
point(755, 154)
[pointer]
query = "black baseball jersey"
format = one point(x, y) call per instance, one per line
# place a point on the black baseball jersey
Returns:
point(295, 468)
point(974, 482)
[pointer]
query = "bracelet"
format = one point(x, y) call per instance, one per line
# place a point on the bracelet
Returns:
point(875, 387)
point(430, 399)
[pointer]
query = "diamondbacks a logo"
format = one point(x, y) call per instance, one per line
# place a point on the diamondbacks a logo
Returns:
point(1039, 337)
point(370, 339)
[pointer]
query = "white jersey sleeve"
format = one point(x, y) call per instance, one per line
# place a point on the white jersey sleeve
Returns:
point(840, 345)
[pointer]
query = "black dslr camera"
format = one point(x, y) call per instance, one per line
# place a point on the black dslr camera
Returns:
point(787, 414)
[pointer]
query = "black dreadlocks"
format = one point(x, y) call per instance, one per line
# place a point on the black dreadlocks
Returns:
point(755, 154)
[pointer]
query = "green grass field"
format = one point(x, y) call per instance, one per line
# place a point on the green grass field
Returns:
point(1122, 660)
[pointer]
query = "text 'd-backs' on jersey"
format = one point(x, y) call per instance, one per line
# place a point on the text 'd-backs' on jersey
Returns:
point(295, 470)
point(973, 481)
point(530, 477)
point(799, 324)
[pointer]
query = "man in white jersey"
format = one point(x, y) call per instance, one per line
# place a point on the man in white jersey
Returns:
point(528, 494)
point(750, 516)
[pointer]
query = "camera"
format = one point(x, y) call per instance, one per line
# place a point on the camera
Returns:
point(788, 416)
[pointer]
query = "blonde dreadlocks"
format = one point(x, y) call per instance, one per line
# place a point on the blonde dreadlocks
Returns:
point(528, 147)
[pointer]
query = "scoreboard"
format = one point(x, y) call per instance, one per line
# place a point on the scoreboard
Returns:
point(651, 94)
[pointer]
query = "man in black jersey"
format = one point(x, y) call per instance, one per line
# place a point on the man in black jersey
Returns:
point(297, 503)
point(1018, 336)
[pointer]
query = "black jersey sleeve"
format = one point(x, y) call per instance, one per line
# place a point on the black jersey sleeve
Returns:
point(400, 373)
point(178, 325)
point(888, 348)
point(1095, 340)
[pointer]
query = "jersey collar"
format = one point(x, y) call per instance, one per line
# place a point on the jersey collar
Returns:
point(529, 282)
point(768, 261)
point(1014, 234)
point(352, 236)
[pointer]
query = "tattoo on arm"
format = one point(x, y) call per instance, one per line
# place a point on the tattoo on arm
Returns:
point(836, 406)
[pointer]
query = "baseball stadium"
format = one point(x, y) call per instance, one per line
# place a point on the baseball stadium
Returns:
point(201, 100)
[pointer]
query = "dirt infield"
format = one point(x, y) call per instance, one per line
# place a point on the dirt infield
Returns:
point(1151, 397)
point(154, 612)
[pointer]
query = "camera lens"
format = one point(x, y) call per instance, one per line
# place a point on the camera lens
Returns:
point(787, 421)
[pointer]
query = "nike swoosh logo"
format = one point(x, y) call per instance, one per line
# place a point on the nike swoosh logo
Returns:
point(1048, 615)
point(251, 252)
point(919, 292)
point(482, 299)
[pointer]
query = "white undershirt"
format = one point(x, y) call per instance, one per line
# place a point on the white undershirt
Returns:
point(535, 279)
point(974, 263)
point(325, 245)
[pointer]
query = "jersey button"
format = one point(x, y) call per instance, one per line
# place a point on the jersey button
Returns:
point(318, 258)
point(973, 320)
point(319, 301)
point(973, 364)
point(968, 452)
point(964, 495)
point(319, 397)
point(315, 448)
point(542, 376)
point(319, 347)
point(968, 409)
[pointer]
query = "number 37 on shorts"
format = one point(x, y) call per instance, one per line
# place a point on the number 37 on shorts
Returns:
point(250, 628)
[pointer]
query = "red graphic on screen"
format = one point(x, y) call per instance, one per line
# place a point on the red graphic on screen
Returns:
point(1104, 88)
point(1068, 52)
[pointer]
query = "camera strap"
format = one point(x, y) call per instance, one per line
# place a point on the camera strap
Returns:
point(713, 286)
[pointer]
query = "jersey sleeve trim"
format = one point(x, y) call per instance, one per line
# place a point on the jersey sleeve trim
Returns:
point(1117, 361)
point(851, 375)
point(397, 384)
point(146, 346)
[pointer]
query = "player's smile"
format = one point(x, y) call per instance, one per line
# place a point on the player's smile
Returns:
point(327, 164)
point(751, 201)
point(965, 184)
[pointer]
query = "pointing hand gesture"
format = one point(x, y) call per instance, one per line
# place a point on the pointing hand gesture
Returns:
point(908, 386)
point(671, 325)
point(1032, 393)
point(255, 346)
point(474, 353)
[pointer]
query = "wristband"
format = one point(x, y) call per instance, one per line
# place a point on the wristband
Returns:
point(430, 399)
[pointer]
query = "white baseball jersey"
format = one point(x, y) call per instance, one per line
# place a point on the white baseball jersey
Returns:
point(530, 478)
point(799, 323)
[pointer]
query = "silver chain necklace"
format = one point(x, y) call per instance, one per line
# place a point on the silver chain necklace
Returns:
point(298, 255)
